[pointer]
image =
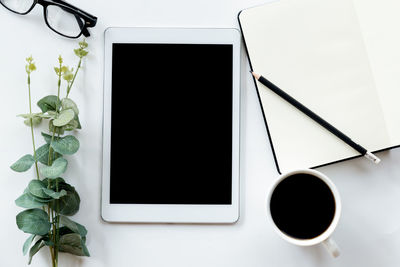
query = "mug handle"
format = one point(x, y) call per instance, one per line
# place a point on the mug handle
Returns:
point(331, 247)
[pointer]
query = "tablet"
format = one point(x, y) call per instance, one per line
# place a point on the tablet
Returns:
point(171, 125)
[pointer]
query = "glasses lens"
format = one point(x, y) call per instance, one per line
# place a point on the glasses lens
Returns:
point(18, 6)
point(63, 21)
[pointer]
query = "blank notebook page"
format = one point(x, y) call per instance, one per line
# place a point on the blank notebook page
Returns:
point(314, 50)
point(380, 22)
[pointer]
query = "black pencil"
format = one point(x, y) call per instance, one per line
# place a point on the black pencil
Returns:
point(316, 118)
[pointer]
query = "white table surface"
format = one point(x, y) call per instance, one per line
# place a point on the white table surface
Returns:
point(369, 230)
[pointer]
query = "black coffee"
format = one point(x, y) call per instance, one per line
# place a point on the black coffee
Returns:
point(302, 206)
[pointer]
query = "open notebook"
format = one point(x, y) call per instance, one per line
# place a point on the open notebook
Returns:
point(341, 59)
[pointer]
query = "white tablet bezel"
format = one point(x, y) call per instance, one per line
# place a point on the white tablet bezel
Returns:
point(149, 213)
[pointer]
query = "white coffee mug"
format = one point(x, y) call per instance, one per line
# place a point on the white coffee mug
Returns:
point(325, 237)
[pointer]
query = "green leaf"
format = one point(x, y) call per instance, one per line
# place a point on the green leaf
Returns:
point(80, 52)
point(30, 115)
point(53, 182)
point(28, 201)
point(48, 115)
point(53, 194)
point(85, 249)
point(33, 221)
point(56, 169)
point(67, 145)
point(36, 187)
point(48, 242)
point(79, 123)
point(42, 154)
point(27, 244)
point(83, 44)
point(67, 103)
point(40, 199)
point(73, 226)
point(69, 204)
point(36, 118)
point(73, 244)
point(52, 113)
point(64, 230)
point(49, 102)
point(58, 130)
point(47, 138)
point(35, 249)
point(64, 118)
point(30, 67)
point(35, 121)
point(72, 125)
point(67, 187)
point(23, 164)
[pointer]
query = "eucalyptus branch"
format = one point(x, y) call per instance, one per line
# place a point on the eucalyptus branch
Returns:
point(29, 68)
point(73, 79)
point(49, 201)
point(81, 53)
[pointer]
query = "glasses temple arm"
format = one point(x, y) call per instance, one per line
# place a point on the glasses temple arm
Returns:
point(82, 26)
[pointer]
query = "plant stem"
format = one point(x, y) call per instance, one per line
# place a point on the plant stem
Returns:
point(55, 247)
point(49, 162)
point(55, 212)
point(58, 89)
point(51, 212)
point(57, 222)
point(34, 154)
point(73, 79)
point(31, 121)
point(52, 256)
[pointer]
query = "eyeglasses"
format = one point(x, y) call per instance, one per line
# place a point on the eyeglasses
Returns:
point(61, 17)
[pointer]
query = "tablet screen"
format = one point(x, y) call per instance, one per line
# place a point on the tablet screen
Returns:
point(171, 136)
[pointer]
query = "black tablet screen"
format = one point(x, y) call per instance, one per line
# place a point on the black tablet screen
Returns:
point(171, 136)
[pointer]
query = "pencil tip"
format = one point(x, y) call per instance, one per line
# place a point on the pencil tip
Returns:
point(372, 157)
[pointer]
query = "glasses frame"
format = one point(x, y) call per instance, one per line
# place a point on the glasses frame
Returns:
point(89, 20)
